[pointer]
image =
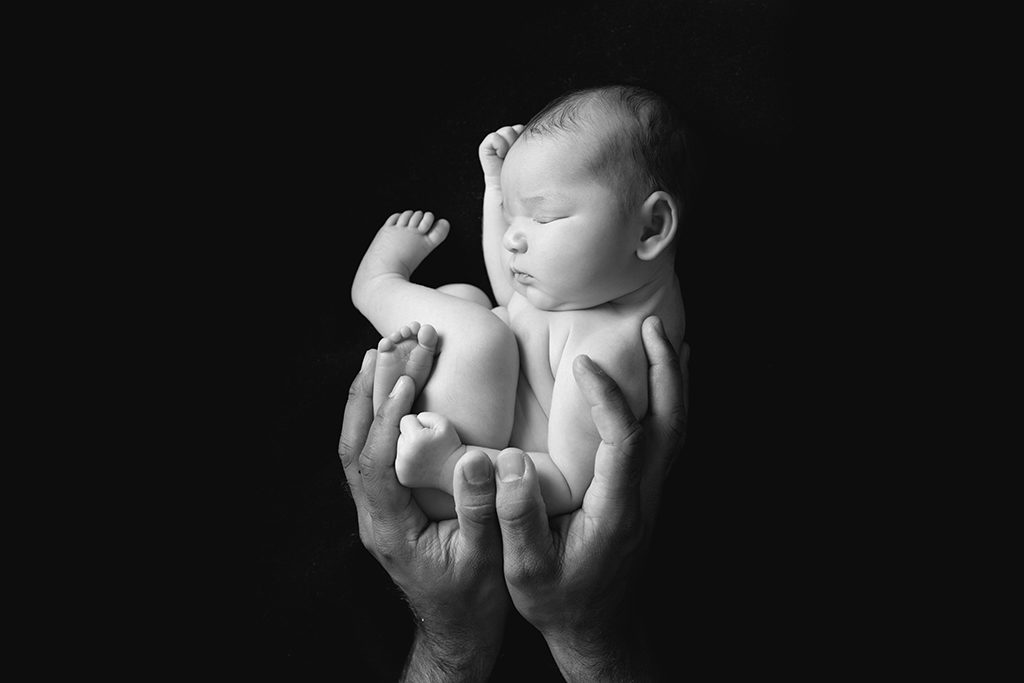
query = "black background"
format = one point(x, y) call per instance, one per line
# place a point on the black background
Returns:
point(314, 129)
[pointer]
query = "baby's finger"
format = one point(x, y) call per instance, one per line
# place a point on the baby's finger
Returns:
point(494, 145)
point(509, 134)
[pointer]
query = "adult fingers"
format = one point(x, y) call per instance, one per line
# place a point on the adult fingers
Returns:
point(474, 503)
point(667, 396)
point(354, 428)
point(390, 504)
point(525, 536)
point(618, 464)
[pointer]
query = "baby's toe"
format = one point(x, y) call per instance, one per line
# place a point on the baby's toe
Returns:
point(440, 231)
point(428, 220)
point(427, 337)
point(403, 220)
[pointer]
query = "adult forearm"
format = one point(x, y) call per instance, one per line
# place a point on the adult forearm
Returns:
point(619, 653)
point(450, 656)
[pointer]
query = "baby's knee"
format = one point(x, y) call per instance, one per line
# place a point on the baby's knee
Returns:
point(495, 339)
point(485, 346)
point(467, 292)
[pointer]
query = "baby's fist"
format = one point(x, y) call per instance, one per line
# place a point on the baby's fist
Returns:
point(493, 150)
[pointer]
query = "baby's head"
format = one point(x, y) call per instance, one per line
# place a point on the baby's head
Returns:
point(636, 140)
point(595, 187)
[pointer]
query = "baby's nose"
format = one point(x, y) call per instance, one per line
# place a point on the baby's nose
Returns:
point(514, 240)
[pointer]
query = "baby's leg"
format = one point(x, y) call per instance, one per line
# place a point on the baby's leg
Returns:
point(473, 381)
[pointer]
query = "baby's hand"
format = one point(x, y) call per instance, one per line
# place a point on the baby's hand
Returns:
point(493, 150)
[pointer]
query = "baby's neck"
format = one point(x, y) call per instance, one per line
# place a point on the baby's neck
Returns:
point(662, 287)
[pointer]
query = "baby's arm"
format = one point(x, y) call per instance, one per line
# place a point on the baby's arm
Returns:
point(492, 154)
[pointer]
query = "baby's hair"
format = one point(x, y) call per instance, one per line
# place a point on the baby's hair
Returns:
point(646, 130)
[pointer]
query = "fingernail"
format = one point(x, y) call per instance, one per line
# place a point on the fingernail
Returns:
point(367, 357)
point(476, 468)
point(659, 327)
point(511, 465)
point(589, 365)
point(398, 385)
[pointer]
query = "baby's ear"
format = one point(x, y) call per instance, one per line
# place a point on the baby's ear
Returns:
point(660, 222)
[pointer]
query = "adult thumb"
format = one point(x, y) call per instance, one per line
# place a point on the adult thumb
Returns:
point(474, 501)
point(525, 535)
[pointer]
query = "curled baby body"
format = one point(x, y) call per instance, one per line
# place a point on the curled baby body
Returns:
point(553, 422)
point(579, 228)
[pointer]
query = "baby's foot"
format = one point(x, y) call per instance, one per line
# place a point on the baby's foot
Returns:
point(404, 241)
point(425, 446)
point(409, 351)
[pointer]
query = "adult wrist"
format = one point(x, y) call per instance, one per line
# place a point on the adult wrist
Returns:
point(445, 652)
point(612, 652)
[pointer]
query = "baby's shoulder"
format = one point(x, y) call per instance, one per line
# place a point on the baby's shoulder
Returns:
point(615, 344)
point(613, 341)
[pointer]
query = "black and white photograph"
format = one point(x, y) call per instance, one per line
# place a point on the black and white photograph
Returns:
point(519, 299)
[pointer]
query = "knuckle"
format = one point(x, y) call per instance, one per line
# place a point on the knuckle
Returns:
point(353, 391)
point(516, 513)
point(480, 510)
point(529, 571)
point(633, 437)
point(367, 464)
point(345, 450)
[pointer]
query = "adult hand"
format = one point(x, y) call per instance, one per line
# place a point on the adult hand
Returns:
point(572, 577)
point(450, 571)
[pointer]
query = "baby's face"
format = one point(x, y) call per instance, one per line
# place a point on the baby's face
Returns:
point(570, 244)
